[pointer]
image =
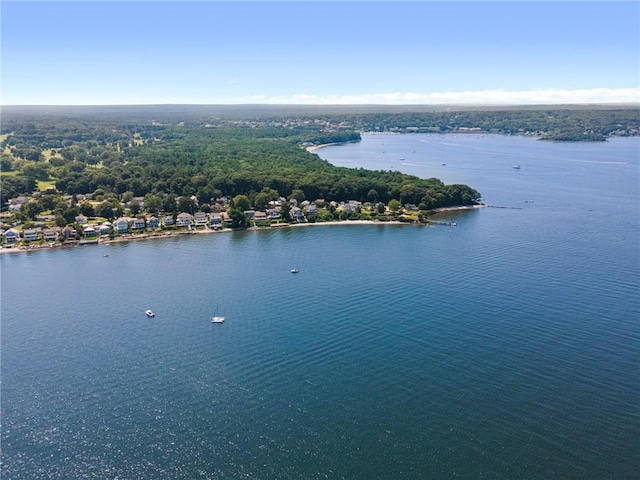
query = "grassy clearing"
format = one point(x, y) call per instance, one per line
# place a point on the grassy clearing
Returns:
point(44, 184)
point(48, 155)
point(8, 174)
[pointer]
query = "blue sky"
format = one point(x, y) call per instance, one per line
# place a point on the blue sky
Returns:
point(150, 52)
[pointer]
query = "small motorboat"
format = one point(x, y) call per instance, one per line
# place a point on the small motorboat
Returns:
point(517, 167)
point(294, 270)
point(150, 313)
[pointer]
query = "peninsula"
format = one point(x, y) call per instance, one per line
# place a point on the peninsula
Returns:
point(91, 174)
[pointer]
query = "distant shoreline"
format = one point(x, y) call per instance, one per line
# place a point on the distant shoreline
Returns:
point(146, 236)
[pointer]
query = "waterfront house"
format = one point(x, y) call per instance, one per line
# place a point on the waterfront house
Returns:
point(183, 220)
point(200, 218)
point(297, 213)
point(51, 234)
point(167, 221)
point(104, 228)
point(11, 236)
point(139, 224)
point(153, 222)
point(90, 231)
point(311, 208)
point(69, 232)
point(349, 208)
point(273, 214)
point(121, 225)
point(249, 213)
point(260, 217)
point(81, 220)
point(30, 234)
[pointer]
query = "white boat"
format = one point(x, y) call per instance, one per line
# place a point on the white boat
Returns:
point(294, 270)
point(150, 313)
point(517, 167)
point(216, 318)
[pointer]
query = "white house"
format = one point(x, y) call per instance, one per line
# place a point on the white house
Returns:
point(183, 220)
point(89, 231)
point(11, 236)
point(121, 225)
point(200, 218)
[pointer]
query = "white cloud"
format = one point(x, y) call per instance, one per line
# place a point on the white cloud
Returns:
point(541, 96)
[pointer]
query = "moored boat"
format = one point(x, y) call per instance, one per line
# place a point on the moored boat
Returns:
point(216, 318)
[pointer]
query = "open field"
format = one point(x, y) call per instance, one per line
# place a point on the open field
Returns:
point(44, 184)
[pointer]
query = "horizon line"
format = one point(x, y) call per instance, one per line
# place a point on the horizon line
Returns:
point(257, 104)
point(489, 97)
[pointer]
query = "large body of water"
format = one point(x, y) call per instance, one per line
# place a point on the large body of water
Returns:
point(505, 347)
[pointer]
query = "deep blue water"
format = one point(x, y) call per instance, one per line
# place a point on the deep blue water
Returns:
point(505, 347)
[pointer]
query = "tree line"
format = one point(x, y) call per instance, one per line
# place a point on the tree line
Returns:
point(167, 163)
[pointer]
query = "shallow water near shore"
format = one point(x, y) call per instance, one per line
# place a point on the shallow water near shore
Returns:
point(504, 347)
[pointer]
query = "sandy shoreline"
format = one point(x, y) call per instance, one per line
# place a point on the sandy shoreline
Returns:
point(147, 236)
point(313, 148)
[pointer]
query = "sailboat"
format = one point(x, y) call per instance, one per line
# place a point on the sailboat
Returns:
point(216, 318)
